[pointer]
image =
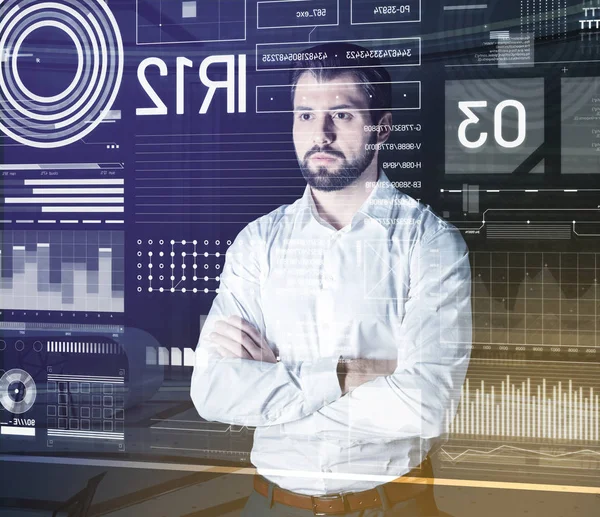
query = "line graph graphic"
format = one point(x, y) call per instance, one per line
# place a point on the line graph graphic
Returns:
point(521, 461)
point(511, 448)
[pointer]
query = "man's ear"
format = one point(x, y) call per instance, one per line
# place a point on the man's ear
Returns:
point(385, 127)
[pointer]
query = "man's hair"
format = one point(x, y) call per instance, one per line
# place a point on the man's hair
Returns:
point(330, 60)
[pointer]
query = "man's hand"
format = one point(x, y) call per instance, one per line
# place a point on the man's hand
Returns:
point(236, 337)
point(354, 372)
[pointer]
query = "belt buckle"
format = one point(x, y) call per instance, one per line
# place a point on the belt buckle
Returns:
point(344, 502)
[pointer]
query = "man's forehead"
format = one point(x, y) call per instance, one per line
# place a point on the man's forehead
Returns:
point(344, 88)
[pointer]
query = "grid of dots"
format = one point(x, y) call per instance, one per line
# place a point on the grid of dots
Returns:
point(180, 266)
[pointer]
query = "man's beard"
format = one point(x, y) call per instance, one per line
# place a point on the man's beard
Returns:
point(347, 173)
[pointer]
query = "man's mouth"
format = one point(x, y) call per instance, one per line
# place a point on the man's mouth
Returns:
point(324, 157)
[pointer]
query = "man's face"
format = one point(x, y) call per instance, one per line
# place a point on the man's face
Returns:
point(332, 147)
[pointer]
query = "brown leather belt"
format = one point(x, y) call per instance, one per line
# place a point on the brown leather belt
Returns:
point(348, 501)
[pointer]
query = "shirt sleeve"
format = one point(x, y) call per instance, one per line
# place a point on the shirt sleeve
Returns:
point(434, 347)
point(246, 392)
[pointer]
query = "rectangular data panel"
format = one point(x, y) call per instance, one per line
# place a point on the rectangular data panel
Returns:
point(73, 193)
point(495, 126)
point(62, 270)
point(580, 129)
point(406, 95)
point(282, 14)
point(384, 11)
point(190, 21)
point(86, 407)
point(390, 51)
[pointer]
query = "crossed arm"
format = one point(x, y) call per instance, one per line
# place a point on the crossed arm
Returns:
point(237, 378)
point(236, 338)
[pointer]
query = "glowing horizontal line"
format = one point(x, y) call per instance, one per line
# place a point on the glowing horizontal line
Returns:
point(291, 473)
point(83, 209)
point(18, 431)
point(464, 7)
point(84, 378)
point(40, 200)
point(45, 166)
point(75, 182)
point(45, 191)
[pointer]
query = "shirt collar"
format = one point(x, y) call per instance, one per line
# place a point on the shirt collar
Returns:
point(308, 210)
point(378, 206)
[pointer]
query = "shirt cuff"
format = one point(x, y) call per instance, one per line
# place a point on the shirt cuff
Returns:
point(320, 382)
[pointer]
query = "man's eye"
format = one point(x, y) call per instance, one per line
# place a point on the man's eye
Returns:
point(342, 115)
point(304, 116)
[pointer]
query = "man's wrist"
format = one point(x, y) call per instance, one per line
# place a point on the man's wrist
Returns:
point(342, 371)
point(354, 372)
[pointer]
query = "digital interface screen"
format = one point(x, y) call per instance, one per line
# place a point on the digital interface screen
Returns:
point(138, 138)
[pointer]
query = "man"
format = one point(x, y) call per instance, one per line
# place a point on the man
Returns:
point(342, 327)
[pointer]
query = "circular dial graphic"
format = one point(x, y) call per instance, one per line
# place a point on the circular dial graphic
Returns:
point(61, 119)
point(17, 391)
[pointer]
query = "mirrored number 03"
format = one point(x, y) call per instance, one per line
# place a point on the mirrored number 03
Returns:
point(467, 108)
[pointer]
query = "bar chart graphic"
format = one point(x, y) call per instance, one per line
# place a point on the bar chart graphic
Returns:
point(557, 411)
point(89, 191)
point(70, 271)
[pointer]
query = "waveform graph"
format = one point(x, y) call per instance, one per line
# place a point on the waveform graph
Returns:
point(547, 300)
point(67, 271)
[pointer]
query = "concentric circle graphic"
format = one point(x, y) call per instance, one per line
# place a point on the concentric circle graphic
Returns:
point(59, 120)
point(17, 391)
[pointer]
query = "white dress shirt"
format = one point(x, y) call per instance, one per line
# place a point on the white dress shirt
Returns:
point(395, 283)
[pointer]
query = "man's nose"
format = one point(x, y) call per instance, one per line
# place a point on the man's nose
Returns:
point(323, 131)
